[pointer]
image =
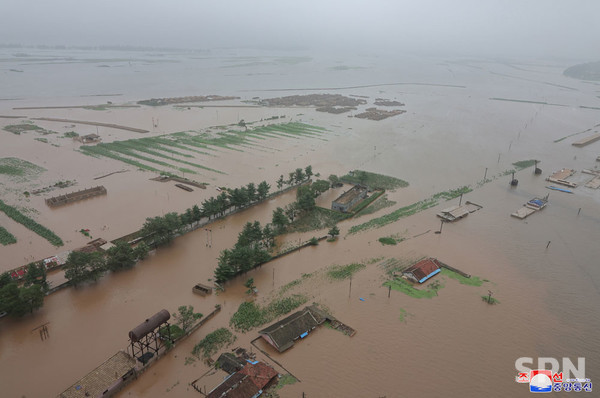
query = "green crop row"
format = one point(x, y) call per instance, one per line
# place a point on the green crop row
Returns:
point(213, 342)
point(395, 215)
point(250, 315)
point(340, 272)
point(6, 238)
point(19, 217)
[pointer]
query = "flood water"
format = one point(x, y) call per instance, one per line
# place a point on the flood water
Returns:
point(449, 345)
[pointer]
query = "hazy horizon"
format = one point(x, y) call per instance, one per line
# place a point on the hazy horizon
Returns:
point(537, 28)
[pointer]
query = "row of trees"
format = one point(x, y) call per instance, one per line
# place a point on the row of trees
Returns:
point(305, 201)
point(161, 230)
point(18, 300)
point(295, 177)
point(250, 250)
point(83, 267)
point(254, 242)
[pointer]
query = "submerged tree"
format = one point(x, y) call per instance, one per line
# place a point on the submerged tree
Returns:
point(82, 267)
point(186, 317)
point(121, 256)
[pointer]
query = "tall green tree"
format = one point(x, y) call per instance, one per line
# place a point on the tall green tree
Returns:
point(280, 182)
point(196, 213)
point(299, 175)
point(18, 301)
point(225, 270)
point(305, 197)
point(251, 188)
point(36, 274)
point(268, 236)
point(334, 180)
point(280, 220)
point(186, 317)
point(320, 186)
point(291, 211)
point(308, 171)
point(140, 252)
point(119, 257)
point(82, 267)
point(334, 231)
point(222, 203)
point(263, 190)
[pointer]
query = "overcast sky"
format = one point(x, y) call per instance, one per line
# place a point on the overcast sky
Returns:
point(503, 27)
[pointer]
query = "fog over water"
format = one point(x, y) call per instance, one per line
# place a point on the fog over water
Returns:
point(490, 27)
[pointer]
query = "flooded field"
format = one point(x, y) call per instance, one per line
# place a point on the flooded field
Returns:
point(464, 120)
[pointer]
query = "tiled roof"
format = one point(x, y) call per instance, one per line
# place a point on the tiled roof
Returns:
point(423, 268)
point(260, 374)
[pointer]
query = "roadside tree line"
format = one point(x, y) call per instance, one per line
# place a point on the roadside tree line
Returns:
point(161, 230)
point(19, 299)
point(255, 242)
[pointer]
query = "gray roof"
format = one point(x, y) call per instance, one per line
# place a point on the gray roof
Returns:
point(284, 332)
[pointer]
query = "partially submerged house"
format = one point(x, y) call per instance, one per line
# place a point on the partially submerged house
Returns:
point(88, 139)
point(422, 270)
point(282, 334)
point(249, 382)
point(230, 363)
point(349, 198)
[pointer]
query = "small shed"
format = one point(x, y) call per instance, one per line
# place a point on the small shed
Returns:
point(422, 270)
point(349, 198)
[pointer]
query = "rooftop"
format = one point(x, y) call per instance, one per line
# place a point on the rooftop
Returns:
point(283, 333)
point(423, 268)
point(350, 195)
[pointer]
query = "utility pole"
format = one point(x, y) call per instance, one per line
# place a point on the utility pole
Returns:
point(441, 225)
point(350, 291)
point(485, 174)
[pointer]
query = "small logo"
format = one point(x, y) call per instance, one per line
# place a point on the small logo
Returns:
point(557, 378)
point(568, 378)
point(523, 377)
point(541, 381)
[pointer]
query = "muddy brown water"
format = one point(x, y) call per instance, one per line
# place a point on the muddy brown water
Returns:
point(450, 345)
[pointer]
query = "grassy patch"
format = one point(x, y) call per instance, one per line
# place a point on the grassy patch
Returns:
point(340, 272)
point(213, 342)
point(20, 128)
point(19, 217)
point(362, 205)
point(387, 241)
point(176, 332)
point(317, 218)
point(6, 238)
point(373, 180)
point(19, 167)
point(523, 164)
point(394, 216)
point(490, 300)
point(452, 193)
point(250, 315)
point(403, 315)
point(377, 204)
point(290, 285)
point(407, 288)
point(286, 380)
point(410, 209)
point(472, 281)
